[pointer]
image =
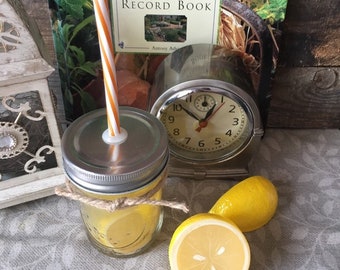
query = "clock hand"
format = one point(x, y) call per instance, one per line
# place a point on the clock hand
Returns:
point(190, 113)
point(209, 112)
point(211, 115)
point(203, 123)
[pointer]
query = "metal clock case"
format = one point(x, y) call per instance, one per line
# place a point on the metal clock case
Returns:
point(204, 97)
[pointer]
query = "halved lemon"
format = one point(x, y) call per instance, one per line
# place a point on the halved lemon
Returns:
point(208, 242)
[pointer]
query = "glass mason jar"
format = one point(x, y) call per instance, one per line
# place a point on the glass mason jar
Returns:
point(105, 173)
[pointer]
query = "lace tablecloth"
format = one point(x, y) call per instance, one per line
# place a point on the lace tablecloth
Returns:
point(304, 234)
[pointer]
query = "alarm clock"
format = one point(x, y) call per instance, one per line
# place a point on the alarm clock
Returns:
point(204, 97)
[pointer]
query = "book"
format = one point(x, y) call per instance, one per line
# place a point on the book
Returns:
point(163, 26)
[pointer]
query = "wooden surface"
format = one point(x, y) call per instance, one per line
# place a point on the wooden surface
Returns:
point(311, 34)
point(307, 97)
point(306, 88)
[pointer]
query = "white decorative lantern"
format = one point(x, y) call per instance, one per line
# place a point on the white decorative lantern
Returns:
point(30, 157)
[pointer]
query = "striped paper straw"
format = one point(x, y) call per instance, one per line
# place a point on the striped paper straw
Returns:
point(101, 10)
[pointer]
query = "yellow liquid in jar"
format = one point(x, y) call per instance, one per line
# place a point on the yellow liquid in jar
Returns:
point(126, 231)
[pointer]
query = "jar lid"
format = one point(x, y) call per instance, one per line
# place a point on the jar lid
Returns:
point(97, 166)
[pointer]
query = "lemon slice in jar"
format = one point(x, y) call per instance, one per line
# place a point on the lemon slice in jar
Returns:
point(207, 241)
point(127, 233)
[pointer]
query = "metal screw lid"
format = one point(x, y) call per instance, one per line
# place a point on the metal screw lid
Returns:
point(98, 167)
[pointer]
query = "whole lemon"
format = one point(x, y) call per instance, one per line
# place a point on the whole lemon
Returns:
point(250, 204)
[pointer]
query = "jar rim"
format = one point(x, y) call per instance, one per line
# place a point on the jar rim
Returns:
point(89, 162)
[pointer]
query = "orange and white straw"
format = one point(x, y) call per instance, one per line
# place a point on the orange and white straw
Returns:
point(102, 15)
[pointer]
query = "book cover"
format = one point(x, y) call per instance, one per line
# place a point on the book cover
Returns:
point(163, 26)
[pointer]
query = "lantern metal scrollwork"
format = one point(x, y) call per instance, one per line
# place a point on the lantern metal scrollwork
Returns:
point(30, 156)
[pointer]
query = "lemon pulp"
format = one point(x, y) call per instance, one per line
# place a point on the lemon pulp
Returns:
point(207, 241)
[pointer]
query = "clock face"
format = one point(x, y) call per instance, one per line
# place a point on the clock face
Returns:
point(206, 125)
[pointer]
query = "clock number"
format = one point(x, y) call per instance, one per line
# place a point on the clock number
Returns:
point(228, 133)
point(236, 121)
point(217, 141)
point(171, 119)
point(187, 140)
point(201, 143)
point(176, 107)
point(175, 131)
point(232, 110)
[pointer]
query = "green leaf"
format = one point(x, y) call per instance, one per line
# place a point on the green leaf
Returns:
point(59, 44)
point(78, 54)
point(273, 10)
point(75, 39)
point(88, 5)
point(81, 26)
point(66, 32)
point(68, 96)
point(58, 2)
point(90, 68)
point(87, 101)
point(69, 61)
point(74, 8)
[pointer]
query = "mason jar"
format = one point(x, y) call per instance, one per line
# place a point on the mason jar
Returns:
point(128, 176)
